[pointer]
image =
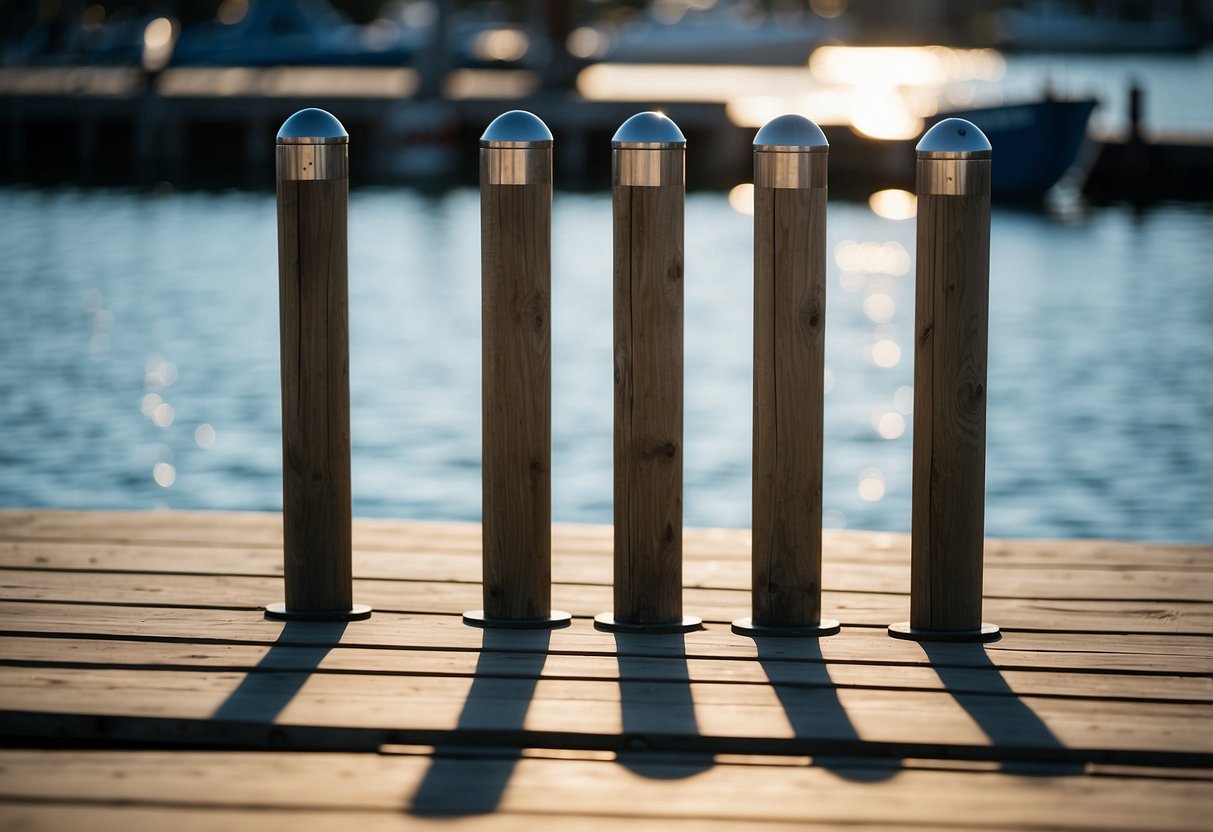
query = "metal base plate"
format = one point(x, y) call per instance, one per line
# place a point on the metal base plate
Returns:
point(558, 618)
point(607, 621)
point(279, 612)
point(986, 632)
point(747, 627)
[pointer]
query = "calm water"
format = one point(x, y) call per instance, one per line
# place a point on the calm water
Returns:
point(140, 361)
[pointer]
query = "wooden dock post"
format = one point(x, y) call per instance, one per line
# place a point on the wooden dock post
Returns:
point(649, 193)
point(951, 323)
point(313, 192)
point(516, 368)
point(790, 181)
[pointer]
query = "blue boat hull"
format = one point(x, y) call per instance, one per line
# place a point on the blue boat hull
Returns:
point(1034, 144)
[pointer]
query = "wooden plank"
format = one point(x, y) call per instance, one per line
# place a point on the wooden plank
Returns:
point(238, 592)
point(590, 794)
point(264, 530)
point(500, 661)
point(30, 816)
point(1159, 655)
point(356, 710)
point(464, 564)
point(699, 572)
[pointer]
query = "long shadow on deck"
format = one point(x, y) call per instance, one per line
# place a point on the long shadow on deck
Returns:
point(282, 671)
point(656, 706)
point(456, 784)
point(978, 686)
point(797, 671)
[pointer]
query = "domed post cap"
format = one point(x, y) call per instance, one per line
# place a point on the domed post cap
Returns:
point(312, 126)
point(791, 132)
point(516, 149)
point(954, 160)
point(954, 138)
point(516, 128)
point(647, 152)
point(790, 153)
point(648, 130)
point(312, 145)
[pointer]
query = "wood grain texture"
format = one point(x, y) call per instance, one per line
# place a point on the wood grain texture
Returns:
point(1093, 654)
point(508, 660)
point(648, 326)
point(516, 243)
point(314, 313)
point(146, 628)
point(789, 366)
point(225, 789)
point(263, 530)
point(951, 325)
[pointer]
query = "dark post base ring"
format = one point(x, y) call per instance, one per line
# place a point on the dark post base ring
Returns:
point(986, 632)
point(608, 622)
point(558, 619)
point(279, 612)
point(825, 627)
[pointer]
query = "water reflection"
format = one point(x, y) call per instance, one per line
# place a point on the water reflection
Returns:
point(204, 436)
point(894, 204)
point(164, 474)
point(886, 354)
point(871, 485)
point(1075, 375)
point(879, 307)
point(741, 198)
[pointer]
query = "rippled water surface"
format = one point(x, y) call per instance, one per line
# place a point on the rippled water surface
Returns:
point(140, 361)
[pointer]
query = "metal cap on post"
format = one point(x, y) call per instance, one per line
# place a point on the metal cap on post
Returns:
point(951, 327)
point(312, 145)
point(790, 167)
point(954, 160)
point(648, 151)
point(648, 203)
point(790, 152)
point(516, 377)
point(313, 195)
point(516, 149)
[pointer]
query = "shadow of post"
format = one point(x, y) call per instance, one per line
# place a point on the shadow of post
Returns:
point(978, 686)
point(282, 671)
point(655, 700)
point(507, 673)
point(797, 671)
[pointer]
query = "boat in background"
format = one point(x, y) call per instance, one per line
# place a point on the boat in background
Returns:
point(1035, 143)
point(1054, 27)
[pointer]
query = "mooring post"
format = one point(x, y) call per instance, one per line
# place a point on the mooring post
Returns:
point(790, 163)
point(951, 323)
point(313, 192)
point(648, 196)
point(516, 374)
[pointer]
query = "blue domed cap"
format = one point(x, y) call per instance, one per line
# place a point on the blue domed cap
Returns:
point(648, 128)
point(791, 131)
point(312, 126)
point(516, 126)
point(955, 138)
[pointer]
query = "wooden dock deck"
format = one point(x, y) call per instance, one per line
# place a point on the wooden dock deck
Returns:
point(142, 688)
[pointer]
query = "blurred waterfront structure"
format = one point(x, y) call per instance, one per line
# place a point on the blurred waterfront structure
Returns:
point(146, 92)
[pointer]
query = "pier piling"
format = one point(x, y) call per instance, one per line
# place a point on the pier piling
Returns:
point(790, 181)
point(516, 278)
point(951, 324)
point(313, 191)
point(648, 198)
